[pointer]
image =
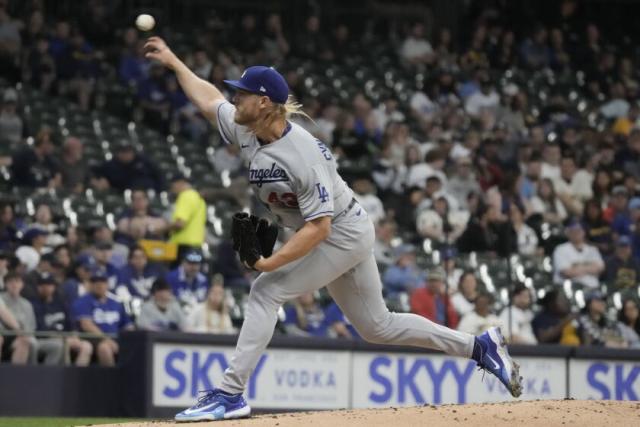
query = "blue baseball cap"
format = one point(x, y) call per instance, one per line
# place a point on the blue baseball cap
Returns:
point(194, 257)
point(623, 241)
point(265, 81)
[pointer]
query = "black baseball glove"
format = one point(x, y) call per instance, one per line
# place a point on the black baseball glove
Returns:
point(253, 237)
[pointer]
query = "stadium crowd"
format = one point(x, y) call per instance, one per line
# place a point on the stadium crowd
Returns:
point(484, 153)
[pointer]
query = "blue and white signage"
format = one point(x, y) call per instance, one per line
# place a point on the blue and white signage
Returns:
point(604, 379)
point(396, 379)
point(301, 379)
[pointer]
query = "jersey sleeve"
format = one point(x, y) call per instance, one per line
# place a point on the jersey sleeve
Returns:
point(315, 193)
point(230, 131)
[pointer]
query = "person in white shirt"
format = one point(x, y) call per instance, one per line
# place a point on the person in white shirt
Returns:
point(577, 183)
point(211, 316)
point(486, 99)
point(481, 318)
point(415, 48)
point(551, 155)
point(364, 193)
point(526, 238)
point(463, 300)
point(575, 260)
point(519, 329)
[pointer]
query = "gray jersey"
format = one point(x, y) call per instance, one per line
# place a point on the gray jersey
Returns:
point(295, 176)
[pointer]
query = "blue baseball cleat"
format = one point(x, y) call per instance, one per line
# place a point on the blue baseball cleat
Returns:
point(216, 405)
point(495, 359)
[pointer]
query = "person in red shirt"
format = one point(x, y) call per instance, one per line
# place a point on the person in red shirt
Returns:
point(431, 301)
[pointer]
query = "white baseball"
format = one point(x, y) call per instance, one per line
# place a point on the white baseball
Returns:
point(145, 22)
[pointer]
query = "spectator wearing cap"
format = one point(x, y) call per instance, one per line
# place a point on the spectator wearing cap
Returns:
point(576, 260)
point(618, 212)
point(46, 266)
point(432, 302)
point(212, 315)
point(102, 252)
point(52, 316)
point(140, 222)
point(188, 219)
point(517, 324)
point(79, 284)
point(22, 311)
point(481, 318)
point(189, 284)
point(128, 169)
point(139, 274)
point(486, 100)
point(11, 126)
point(34, 167)
point(33, 244)
point(101, 233)
point(404, 275)
point(594, 327)
point(161, 312)
point(622, 270)
point(99, 314)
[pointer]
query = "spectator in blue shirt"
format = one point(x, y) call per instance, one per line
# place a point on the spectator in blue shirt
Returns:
point(139, 274)
point(78, 285)
point(337, 324)
point(102, 254)
point(98, 313)
point(405, 275)
point(52, 316)
point(305, 317)
point(188, 283)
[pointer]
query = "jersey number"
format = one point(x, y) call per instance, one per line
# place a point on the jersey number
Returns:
point(285, 200)
point(323, 195)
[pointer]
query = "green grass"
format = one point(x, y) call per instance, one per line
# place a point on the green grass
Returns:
point(57, 422)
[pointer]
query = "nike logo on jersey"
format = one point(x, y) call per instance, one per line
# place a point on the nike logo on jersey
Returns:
point(273, 174)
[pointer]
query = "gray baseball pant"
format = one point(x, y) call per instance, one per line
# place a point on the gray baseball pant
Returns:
point(346, 265)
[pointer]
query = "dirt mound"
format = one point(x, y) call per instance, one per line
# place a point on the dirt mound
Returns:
point(541, 413)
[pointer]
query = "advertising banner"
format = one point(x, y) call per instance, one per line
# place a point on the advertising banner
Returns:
point(604, 379)
point(397, 379)
point(301, 379)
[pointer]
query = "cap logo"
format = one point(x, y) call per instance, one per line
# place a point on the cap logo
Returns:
point(262, 89)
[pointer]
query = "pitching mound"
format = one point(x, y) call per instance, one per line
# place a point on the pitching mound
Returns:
point(545, 413)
